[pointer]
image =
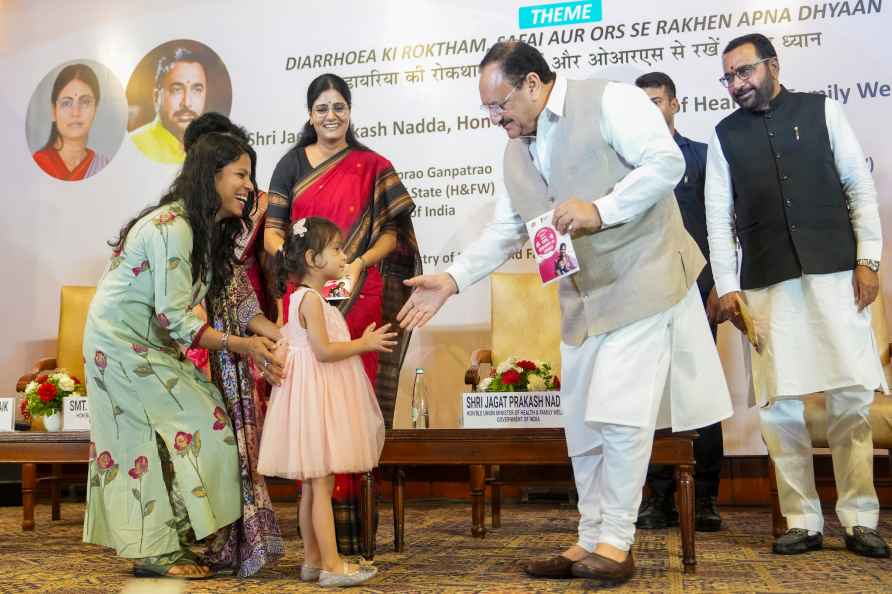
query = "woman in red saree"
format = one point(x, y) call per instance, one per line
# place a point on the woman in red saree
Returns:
point(74, 99)
point(330, 174)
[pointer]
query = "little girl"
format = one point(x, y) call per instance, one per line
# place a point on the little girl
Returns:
point(324, 418)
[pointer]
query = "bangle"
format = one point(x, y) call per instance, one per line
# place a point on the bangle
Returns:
point(362, 261)
point(225, 342)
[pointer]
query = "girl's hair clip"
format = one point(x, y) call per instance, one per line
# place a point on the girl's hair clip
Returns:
point(300, 228)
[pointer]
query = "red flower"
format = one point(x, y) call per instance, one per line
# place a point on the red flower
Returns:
point(140, 467)
point(24, 408)
point(526, 365)
point(76, 381)
point(510, 377)
point(139, 349)
point(47, 392)
point(182, 440)
point(105, 460)
point(220, 415)
point(557, 383)
point(40, 379)
point(101, 360)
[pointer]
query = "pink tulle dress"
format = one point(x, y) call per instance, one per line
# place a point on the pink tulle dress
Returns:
point(324, 417)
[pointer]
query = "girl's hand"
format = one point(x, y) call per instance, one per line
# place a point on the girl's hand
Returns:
point(380, 340)
point(260, 348)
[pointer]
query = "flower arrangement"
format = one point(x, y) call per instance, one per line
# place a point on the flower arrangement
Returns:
point(43, 395)
point(513, 375)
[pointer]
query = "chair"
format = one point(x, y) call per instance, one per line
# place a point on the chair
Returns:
point(526, 322)
point(73, 307)
point(816, 419)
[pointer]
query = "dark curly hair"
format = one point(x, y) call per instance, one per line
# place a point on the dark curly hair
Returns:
point(291, 259)
point(217, 122)
point(213, 243)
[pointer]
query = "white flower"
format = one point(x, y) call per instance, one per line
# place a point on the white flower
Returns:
point(66, 384)
point(535, 383)
point(31, 388)
point(300, 227)
point(483, 386)
point(509, 363)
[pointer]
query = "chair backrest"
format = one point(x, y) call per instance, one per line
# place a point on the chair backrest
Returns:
point(73, 308)
point(526, 319)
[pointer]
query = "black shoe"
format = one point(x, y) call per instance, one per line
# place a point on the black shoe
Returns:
point(867, 542)
point(706, 514)
point(796, 541)
point(657, 512)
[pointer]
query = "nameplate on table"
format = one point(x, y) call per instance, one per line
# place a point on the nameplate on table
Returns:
point(7, 414)
point(75, 414)
point(511, 410)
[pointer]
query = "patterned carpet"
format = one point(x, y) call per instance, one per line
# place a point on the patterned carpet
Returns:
point(442, 557)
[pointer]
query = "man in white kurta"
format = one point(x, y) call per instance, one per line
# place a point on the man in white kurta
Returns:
point(786, 175)
point(624, 373)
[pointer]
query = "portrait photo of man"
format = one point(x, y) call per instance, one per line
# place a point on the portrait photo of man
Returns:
point(172, 86)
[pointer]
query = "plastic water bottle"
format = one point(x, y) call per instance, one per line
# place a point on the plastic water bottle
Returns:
point(420, 418)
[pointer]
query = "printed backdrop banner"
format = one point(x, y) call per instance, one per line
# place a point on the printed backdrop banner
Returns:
point(412, 67)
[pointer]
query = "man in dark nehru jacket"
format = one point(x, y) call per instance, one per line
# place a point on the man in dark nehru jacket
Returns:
point(659, 510)
point(786, 174)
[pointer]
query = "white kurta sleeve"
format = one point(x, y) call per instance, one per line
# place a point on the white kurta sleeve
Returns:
point(503, 236)
point(720, 220)
point(633, 126)
point(856, 181)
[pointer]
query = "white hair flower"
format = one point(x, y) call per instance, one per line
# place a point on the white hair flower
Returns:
point(300, 228)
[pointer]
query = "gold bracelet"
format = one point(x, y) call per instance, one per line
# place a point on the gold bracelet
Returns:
point(225, 342)
point(360, 258)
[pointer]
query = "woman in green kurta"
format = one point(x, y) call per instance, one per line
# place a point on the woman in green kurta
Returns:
point(164, 465)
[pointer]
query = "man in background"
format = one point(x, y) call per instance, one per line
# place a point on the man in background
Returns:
point(658, 510)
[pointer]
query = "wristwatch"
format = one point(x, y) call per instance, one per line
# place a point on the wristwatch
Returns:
point(874, 265)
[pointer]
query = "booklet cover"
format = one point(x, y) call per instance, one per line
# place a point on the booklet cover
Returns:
point(554, 251)
point(337, 290)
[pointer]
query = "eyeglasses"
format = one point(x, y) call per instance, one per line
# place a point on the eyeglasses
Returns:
point(84, 102)
point(743, 73)
point(495, 110)
point(339, 109)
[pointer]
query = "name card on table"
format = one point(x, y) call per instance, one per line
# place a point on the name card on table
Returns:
point(7, 414)
point(511, 410)
point(75, 414)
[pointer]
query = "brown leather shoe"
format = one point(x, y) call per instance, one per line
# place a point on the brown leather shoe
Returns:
point(551, 567)
point(608, 571)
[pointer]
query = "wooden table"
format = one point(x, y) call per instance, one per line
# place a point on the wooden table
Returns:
point(30, 448)
point(478, 448)
point(475, 448)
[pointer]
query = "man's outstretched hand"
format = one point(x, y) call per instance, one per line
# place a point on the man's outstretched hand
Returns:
point(430, 293)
